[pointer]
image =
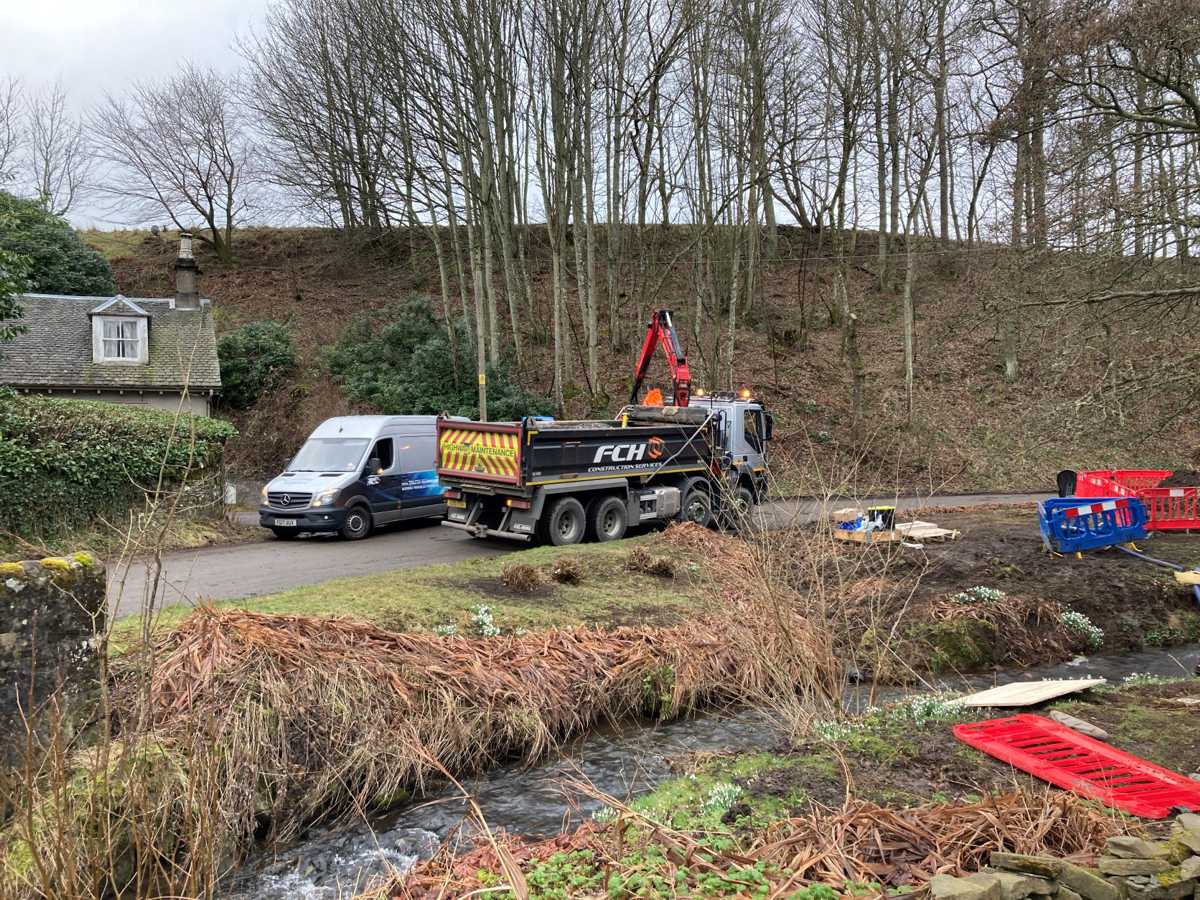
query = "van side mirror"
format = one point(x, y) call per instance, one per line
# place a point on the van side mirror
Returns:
point(770, 429)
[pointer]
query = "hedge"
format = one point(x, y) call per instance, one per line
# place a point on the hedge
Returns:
point(64, 463)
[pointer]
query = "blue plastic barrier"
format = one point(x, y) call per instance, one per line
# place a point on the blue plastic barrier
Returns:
point(1072, 524)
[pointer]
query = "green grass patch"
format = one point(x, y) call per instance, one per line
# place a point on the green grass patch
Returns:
point(121, 242)
point(438, 596)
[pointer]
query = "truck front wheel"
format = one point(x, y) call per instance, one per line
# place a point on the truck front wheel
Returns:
point(566, 522)
point(609, 519)
point(696, 505)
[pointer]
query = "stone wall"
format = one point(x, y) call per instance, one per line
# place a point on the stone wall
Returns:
point(50, 613)
point(1130, 868)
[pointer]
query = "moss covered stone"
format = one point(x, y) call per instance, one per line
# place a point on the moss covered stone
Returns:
point(52, 611)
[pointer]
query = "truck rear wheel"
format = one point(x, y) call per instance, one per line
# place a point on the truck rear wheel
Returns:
point(608, 519)
point(696, 505)
point(566, 522)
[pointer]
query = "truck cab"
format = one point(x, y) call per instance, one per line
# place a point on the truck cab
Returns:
point(744, 432)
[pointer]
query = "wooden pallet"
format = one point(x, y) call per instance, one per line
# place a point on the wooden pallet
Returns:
point(926, 532)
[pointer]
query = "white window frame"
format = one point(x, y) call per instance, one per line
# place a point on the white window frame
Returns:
point(102, 344)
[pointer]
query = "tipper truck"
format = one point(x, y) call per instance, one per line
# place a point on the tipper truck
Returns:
point(563, 482)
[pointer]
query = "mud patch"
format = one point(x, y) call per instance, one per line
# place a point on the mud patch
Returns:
point(546, 592)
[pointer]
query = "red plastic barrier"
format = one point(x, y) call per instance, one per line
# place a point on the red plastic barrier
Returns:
point(1088, 767)
point(1171, 509)
point(1117, 482)
point(1167, 509)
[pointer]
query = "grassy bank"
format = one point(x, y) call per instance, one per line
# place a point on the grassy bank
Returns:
point(118, 538)
point(631, 582)
point(992, 598)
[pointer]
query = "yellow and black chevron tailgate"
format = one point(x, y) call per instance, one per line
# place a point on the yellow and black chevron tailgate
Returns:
point(480, 450)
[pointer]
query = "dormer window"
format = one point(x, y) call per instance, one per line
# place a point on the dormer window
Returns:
point(120, 340)
point(120, 333)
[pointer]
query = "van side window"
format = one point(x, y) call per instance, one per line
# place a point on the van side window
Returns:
point(383, 452)
point(416, 453)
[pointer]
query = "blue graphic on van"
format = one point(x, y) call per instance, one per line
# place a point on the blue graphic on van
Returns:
point(415, 485)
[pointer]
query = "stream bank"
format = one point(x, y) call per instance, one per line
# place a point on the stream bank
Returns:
point(636, 759)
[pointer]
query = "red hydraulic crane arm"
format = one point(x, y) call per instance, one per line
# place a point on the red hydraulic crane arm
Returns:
point(661, 330)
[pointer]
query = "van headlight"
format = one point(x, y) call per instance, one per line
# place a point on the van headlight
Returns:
point(325, 498)
point(263, 494)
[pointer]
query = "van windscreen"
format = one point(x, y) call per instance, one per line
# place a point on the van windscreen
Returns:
point(329, 455)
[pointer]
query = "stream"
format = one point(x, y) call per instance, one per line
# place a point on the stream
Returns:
point(622, 760)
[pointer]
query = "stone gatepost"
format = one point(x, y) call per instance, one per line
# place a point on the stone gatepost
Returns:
point(51, 612)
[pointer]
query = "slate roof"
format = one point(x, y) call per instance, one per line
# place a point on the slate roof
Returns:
point(56, 349)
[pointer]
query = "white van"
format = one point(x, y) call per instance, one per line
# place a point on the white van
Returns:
point(356, 472)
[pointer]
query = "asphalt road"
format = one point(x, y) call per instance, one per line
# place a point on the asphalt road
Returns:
point(248, 570)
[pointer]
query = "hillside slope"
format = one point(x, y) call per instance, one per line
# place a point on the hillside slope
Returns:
point(1088, 392)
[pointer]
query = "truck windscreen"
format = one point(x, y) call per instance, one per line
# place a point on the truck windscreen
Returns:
point(329, 455)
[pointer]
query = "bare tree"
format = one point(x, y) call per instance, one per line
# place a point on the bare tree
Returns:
point(178, 147)
point(11, 127)
point(59, 158)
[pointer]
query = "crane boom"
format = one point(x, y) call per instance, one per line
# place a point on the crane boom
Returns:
point(661, 331)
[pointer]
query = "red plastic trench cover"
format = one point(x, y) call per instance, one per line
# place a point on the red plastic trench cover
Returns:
point(1081, 764)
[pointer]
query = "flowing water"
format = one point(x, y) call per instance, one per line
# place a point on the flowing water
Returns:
point(622, 760)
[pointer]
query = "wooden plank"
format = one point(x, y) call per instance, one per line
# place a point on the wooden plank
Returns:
point(1027, 693)
point(866, 537)
point(1188, 577)
point(926, 531)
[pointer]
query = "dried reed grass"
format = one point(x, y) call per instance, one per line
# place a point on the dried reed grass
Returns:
point(315, 715)
point(566, 570)
point(521, 578)
point(642, 561)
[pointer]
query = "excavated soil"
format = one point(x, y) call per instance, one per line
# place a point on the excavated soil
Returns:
point(1182, 478)
point(1135, 603)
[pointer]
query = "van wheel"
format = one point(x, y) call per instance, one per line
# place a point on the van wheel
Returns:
point(566, 522)
point(696, 506)
point(357, 525)
point(608, 520)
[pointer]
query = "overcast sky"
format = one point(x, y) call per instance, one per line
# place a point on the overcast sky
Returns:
point(99, 46)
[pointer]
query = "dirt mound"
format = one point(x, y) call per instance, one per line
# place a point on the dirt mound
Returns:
point(1182, 478)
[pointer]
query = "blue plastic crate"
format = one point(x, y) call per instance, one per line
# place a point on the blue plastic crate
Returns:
point(1072, 524)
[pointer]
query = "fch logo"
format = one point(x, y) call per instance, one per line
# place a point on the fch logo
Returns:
point(620, 452)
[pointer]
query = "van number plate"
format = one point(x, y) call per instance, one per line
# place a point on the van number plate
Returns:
point(287, 523)
point(457, 504)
